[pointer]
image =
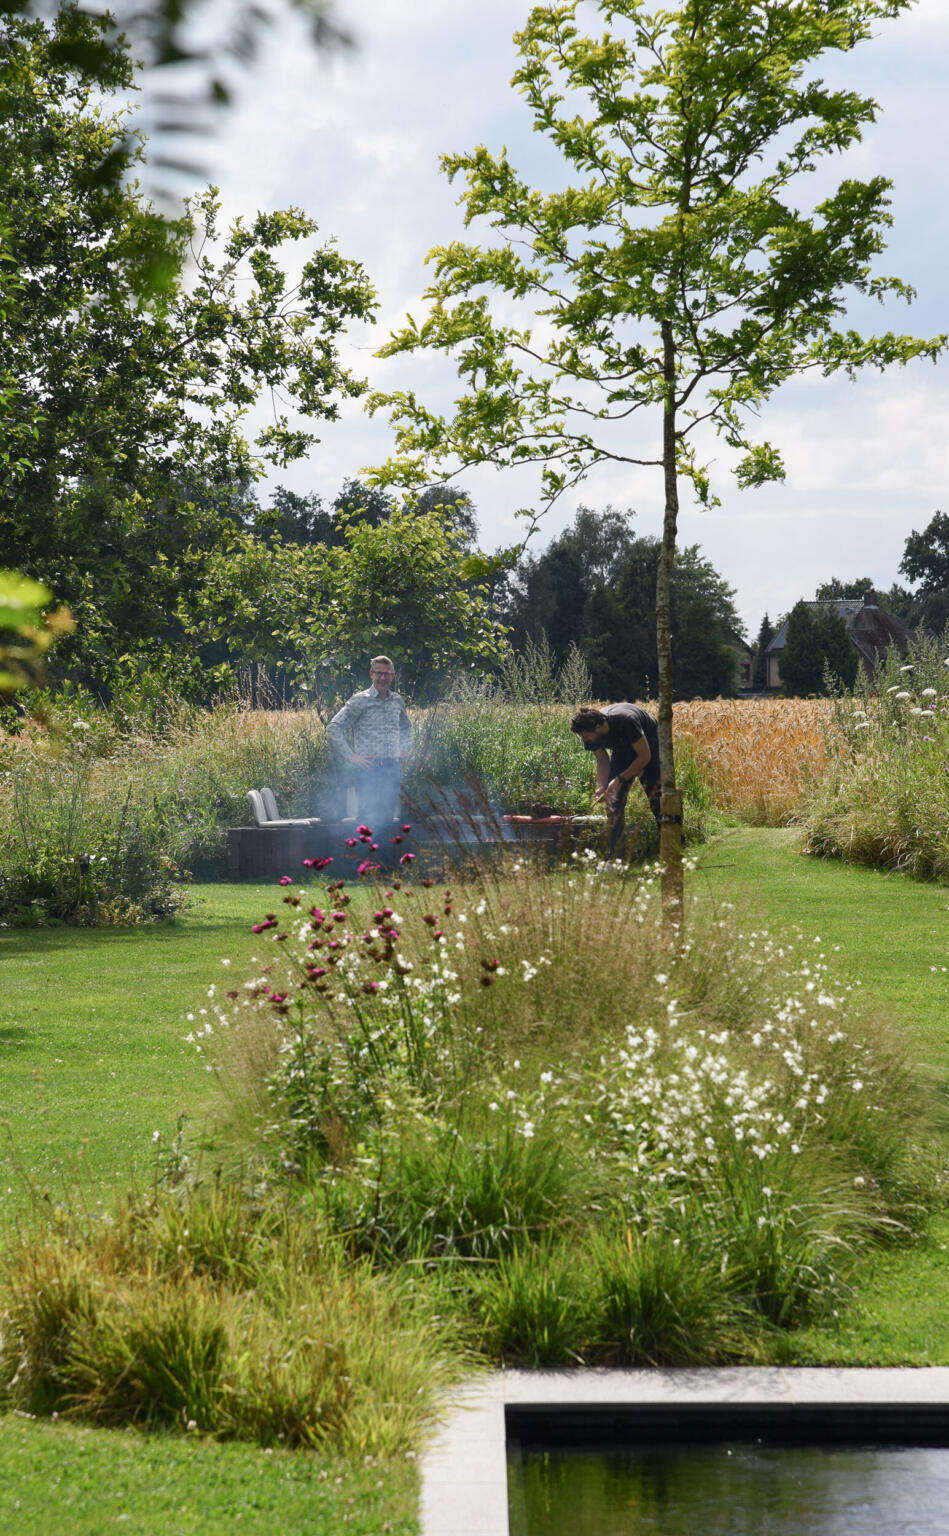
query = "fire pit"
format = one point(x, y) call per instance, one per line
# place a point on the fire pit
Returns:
point(437, 837)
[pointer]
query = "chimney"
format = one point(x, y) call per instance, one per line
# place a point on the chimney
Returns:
point(869, 598)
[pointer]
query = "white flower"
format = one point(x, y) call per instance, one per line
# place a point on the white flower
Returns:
point(929, 693)
point(903, 694)
point(527, 1129)
point(908, 667)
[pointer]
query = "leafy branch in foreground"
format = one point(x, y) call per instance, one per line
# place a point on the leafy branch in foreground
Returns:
point(677, 282)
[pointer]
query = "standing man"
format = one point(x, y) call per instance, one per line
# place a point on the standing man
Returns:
point(625, 739)
point(373, 732)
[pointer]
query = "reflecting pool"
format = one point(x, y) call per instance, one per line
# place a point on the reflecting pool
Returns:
point(736, 1489)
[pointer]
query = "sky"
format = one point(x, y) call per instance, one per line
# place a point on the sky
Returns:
point(355, 141)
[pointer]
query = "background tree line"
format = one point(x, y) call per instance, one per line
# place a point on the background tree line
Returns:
point(594, 587)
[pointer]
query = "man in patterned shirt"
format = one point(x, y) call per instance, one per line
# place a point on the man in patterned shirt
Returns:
point(373, 732)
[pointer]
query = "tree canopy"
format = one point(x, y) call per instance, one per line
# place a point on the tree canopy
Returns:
point(817, 652)
point(122, 454)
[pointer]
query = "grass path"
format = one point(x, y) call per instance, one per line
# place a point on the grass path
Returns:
point(893, 932)
point(893, 938)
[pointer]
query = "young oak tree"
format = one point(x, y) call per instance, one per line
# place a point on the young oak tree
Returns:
point(676, 278)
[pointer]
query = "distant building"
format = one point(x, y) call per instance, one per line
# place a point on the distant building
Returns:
point(871, 630)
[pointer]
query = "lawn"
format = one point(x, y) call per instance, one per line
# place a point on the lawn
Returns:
point(92, 1027)
point(92, 1024)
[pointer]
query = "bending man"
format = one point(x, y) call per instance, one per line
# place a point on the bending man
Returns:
point(625, 739)
point(373, 732)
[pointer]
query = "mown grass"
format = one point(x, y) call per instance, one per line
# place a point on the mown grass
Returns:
point(86, 1482)
point(91, 1037)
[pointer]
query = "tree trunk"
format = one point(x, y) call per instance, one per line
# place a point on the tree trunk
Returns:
point(670, 826)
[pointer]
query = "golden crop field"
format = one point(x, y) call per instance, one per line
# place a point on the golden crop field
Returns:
point(758, 755)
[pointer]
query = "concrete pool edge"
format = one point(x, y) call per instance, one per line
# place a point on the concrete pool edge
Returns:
point(464, 1469)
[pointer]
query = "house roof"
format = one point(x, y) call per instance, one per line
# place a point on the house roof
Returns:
point(872, 630)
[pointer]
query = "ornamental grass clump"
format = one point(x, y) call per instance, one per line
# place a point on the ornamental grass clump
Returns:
point(469, 1076)
point(884, 800)
point(125, 1322)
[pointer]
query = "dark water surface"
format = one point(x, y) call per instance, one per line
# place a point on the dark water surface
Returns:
point(729, 1490)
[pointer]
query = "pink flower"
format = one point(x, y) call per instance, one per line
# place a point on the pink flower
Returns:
point(285, 880)
point(316, 863)
point(364, 831)
point(350, 842)
point(407, 858)
point(407, 827)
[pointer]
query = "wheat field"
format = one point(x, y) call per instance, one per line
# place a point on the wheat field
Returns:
point(758, 756)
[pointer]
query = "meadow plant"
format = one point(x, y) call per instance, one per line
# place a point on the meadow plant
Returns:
point(100, 823)
point(884, 799)
point(73, 851)
point(463, 1075)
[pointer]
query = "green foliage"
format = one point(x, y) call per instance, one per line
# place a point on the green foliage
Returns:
point(594, 587)
point(885, 798)
point(841, 659)
point(926, 555)
point(74, 853)
point(102, 1326)
point(765, 636)
point(122, 458)
point(422, 1080)
point(104, 815)
point(818, 654)
point(662, 1301)
point(309, 612)
point(26, 632)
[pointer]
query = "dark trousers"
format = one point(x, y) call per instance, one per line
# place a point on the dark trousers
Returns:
point(377, 798)
point(616, 809)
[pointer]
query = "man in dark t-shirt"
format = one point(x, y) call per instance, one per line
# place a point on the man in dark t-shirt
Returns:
point(625, 739)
